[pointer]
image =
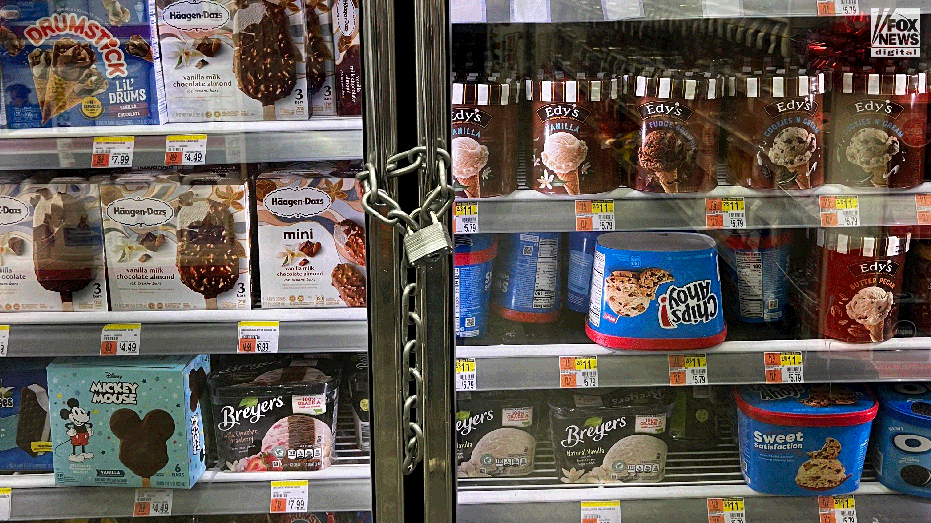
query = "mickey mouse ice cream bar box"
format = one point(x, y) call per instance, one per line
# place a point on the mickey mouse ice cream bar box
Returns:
point(134, 423)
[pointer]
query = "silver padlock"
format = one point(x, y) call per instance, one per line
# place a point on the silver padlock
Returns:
point(427, 241)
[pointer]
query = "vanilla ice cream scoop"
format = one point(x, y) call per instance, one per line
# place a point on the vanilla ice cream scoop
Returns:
point(638, 457)
point(793, 146)
point(563, 152)
point(469, 157)
point(872, 148)
point(869, 308)
point(503, 452)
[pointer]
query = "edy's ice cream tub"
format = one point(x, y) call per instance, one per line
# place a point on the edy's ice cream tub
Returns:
point(855, 283)
point(918, 283)
point(581, 246)
point(610, 436)
point(678, 143)
point(900, 446)
point(484, 146)
point(655, 291)
point(276, 415)
point(878, 129)
point(776, 124)
point(475, 256)
point(526, 280)
point(573, 125)
point(804, 440)
point(756, 266)
point(496, 434)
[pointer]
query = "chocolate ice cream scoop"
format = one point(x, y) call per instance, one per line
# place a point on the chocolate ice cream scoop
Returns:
point(10, 42)
point(40, 60)
point(662, 151)
point(207, 257)
point(70, 59)
point(138, 46)
point(64, 245)
point(265, 61)
point(91, 83)
point(143, 442)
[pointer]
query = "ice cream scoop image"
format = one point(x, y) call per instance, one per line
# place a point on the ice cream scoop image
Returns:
point(663, 152)
point(792, 148)
point(623, 458)
point(302, 441)
point(873, 149)
point(469, 158)
point(563, 153)
point(869, 307)
point(502, 452)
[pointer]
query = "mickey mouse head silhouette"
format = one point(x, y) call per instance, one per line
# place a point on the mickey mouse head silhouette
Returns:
point(143, 442)
point(79, 429)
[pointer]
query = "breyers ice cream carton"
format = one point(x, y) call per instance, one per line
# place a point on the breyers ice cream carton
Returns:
point(79, 63)
point(177, 241)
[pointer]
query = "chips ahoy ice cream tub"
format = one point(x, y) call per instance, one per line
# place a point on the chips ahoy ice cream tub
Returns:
point(475, 255)
point(527, 277)
point(655, 290)
point(900, 447)
point(803, 440)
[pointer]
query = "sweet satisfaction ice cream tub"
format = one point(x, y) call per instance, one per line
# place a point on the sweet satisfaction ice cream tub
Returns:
point(776, 124)
point(878, 129)
point(581, 247)
point(803, 440)
point(526, 280)
point(475, 255)
point(573, 125)
point(610, 436)
point(679, 131)
point(900, 448)
point(484, 146)
point(496, 433)
point(855, 283)
point(756, 266)
point(655, 291)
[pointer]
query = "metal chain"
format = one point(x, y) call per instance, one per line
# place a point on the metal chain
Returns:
point(437, 202)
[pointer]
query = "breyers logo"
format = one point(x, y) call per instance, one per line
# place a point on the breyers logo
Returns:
point(195, 16)
point(296, 203)
point(12, 210)
point(895, 33)
point(692, 304)
point(139, 212)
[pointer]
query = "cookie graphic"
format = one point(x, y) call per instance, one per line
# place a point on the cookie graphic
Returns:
point(625, 298)
point(915, 475)
point(651, 279)
point(830, 450)
point(143, 442)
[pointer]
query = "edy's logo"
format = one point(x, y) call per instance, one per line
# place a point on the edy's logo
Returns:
point(895, 33)
point(474, 117)
point(877, 267)
point(60, 24)
point(139, 212)
point(291, 202)
point(674, 110)
point(12, 210)
point(692, 304)
point(791, 105)
point(883, 107)
point(193, 15)
point(564, 111)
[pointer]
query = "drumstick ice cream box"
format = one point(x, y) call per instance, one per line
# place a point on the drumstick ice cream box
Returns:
point(79, 63)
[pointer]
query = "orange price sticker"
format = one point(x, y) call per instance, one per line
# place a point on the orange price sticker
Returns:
point(771, 359)
point(826, 8)
point(246, 345)
point(716, 518)
point(567, 381)
point(828, 219)
point(713, 205)
point(584, 223)
point(100, 160)
point(828, 518)
point(583, 206)
point(108, 348)
point(278, 505)
point(590, 520)
point(715, 505)
point(677, 378)
point(566, 363)
point(141, 509)
point(173, 157)
point(773, 375)
point(923, 207)
point(714, 221)
point(676, 361)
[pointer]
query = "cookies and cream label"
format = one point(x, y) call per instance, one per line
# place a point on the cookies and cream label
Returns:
point(673, 110)
point(139, 212)
point(190, 15)
point(12, 211)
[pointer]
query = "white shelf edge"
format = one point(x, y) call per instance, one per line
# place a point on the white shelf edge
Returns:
point(186, 316)
point(323, 123)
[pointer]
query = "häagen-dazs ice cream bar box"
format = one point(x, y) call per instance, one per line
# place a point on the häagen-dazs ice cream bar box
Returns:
point(79, 63)
point(51, 246)
point(177, 241)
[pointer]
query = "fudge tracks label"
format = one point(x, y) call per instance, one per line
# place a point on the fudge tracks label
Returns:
point(139, 212)
point(12, 210)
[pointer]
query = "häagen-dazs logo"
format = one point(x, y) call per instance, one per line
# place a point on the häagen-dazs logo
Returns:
point(895, 32)
point(290, 202)
point(193, 15)
point(139, 212)
point(12, 210)
point(693, 303)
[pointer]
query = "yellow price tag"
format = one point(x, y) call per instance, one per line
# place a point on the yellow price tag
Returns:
point(847, 202)
point(695, 361)
point(465, 365)
point(732, 204)
point(586, 363)
point(790, 358)
point(602, 206)
point(733, 504)
point(466, 209)
point(844, 502)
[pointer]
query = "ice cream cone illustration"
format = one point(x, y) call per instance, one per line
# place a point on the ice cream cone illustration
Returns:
point(265, 62)
point(469, 158)
point(669, 180)
point(117, 14)
point(802, 174)
point(879, 176)
point(208, 261)
point(663, 153)
point(70, 61)
point(40, 60)
point(870, 307)
point(876, 332)
point(793, 148)
point(873, 149)
point(563, 153)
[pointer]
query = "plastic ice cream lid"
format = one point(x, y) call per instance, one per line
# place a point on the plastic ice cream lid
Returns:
point(656, 241)
point(874, 83)
point(809, 405)
point(472, 249)
point(910, 402)
point(571, 90)
point(642, 399)
point(867, 243)
point(775, 84)
point(681, 87)
point(280, 376)
point(486, 92)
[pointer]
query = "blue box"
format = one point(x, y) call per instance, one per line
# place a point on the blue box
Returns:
point(128, 422)
point(24, 416)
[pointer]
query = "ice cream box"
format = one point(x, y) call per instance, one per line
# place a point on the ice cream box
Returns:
point(276, 415)
point(803, 440)
point(610, 436)
point(321, 72)
point(357, 378)
point(24, 417)
point(346, 30)
point(51, 245)
point(900, 446)
point(177, 241)
point(233, 60)
point(80, 63)
point(496, 433)
point(311, 236)
point(128, 422)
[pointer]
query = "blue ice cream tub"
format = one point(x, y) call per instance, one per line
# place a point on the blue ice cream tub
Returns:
point(581, 247)
point(900, 447)
point(757, 268)
point(803, 440)
point(655, 290)
point(526, 281)
point(474, 258)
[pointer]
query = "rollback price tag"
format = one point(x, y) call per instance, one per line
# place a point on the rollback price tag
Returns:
point(784, 367)
point(120, 339)
point(258, 337)
point(923, 208)
point(840, 211)
point(288, 497)
point(186, 149)
point(838, 7)
point(688, 369)
point(4, 340)
point(726, 510)
point(837, 509)
point(465, 214)
point(725, 213)
point(465, 374)
point(6, 498)
point(577, 372)
point(601, 511)
point(152, 502)
point(112, 151)
point(594, 215)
